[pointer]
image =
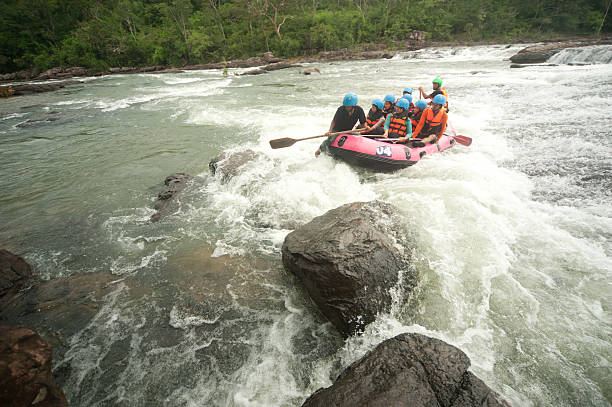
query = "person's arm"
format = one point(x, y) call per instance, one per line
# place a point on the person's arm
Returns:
point(331, 128)
point(424, 95)
point(387, 122)
point(361, 117)
point(419, 126)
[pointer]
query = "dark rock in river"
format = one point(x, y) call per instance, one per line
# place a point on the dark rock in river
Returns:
point(15, 273)
point(310, 70)
point(409, 370)
point(59, 308)
point(25, 370)
point(227, 165)
point(174, 183)
point(349, 259)
point(31, 88)
point(270, 67)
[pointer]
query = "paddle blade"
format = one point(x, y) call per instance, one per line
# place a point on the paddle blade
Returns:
point(282, 142)
point(465, 140)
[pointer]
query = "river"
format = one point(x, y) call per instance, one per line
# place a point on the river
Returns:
point(514, 232)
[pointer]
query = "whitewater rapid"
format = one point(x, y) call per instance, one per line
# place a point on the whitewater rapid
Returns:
point(514, 232)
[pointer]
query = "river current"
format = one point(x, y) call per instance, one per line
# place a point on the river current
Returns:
point(514, 233)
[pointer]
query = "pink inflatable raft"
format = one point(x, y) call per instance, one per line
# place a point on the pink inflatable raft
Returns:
point(382, 156)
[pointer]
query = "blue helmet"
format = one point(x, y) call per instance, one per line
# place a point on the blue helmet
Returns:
point(390, 98)
point(378, 103)
point(408, 90)
point(403, 103)
point(408, 98)
point(421, 104)
point(439, 99)
point(350, 99)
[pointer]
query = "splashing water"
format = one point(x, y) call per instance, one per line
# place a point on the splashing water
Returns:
point(514, 233)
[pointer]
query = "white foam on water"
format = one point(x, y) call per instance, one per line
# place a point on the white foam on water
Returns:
point(13, 116)
point(596, 54)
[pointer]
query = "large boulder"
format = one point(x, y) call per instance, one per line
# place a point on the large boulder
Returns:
point(25, 370)
point(14, 274)
point(408, 370)
point(349, 259)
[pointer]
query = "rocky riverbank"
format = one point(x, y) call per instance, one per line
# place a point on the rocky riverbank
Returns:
point(268, 62)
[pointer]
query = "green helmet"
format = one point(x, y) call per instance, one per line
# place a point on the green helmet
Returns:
point(438, 81)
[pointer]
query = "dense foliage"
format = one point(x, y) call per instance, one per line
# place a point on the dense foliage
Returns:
point(101, 33)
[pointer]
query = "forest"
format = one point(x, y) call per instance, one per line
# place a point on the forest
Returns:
point(98, 34)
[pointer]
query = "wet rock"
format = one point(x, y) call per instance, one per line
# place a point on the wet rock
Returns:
point(417, 35)
point(408, 370)
point(15, 273)
point(310, 70)
point(31, 88)
point(17, 76)
point(228, 165)
point(35, 122)
point(6, 91)
point(257, 71)
point(349, 259)
point(59, 308)
point(278, 65)
point(526, 65)
point(174, 183)
point(61, 73)
point(25, 370)
point(270, 67)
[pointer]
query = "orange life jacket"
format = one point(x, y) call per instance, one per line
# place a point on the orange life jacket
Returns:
point(434, 123)
point(397, 125)
point(445, 93)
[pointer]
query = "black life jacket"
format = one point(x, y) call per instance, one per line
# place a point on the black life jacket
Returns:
point(388, 112)
point(414, 118)
point(373, 118)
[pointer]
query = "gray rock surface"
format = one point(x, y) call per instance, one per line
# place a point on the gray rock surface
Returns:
point(227, 165)
point(348, 259)
point(173, 184)
point(409, 370)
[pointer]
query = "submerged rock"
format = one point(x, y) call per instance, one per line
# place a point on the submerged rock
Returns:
point(408, 370)
point(59, 308)
point(174, 183)
point(25, 370)
point(308, 71)
point(270, 67)
point(31, 88)
point(349, 259)
point(15, 273)
point(228, 165)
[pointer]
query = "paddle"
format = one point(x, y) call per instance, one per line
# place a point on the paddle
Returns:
point(287, 141)
point(461, 139)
